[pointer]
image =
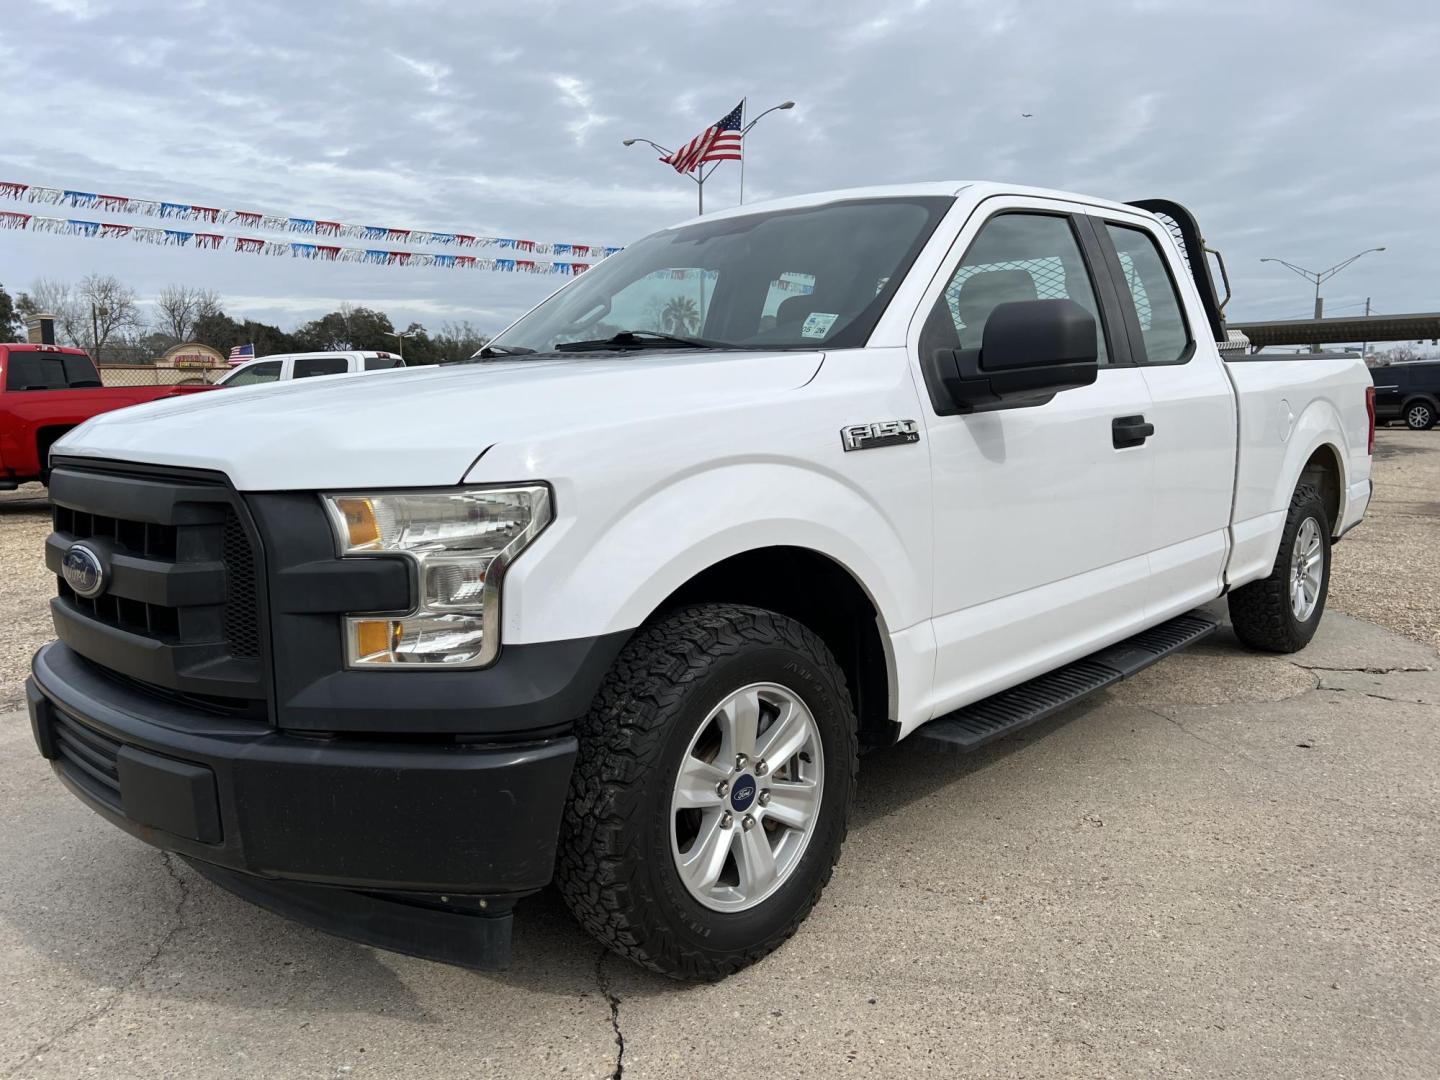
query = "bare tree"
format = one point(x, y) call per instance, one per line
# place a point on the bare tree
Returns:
point(1397, 354)
point(459, 341)
point(107, 310)
point(57, 298)
point(179, 307)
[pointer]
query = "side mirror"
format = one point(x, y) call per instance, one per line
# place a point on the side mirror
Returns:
point(1030, 351)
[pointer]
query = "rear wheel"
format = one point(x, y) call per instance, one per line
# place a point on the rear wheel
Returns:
point(1281, 612)
point(712, 791)
point(1419, 416)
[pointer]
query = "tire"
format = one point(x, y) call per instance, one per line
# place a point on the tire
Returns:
point(620, 837)
point(1264, 613)
point(1419, 416)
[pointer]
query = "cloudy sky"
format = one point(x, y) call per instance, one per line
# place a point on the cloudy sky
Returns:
point(1303, 129)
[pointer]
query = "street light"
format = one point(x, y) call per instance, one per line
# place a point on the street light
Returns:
point(1321, 276)
point(700, 175)
point(746, 131)
point(401, 336)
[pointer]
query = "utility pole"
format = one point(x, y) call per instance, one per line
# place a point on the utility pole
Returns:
point(1365, 345)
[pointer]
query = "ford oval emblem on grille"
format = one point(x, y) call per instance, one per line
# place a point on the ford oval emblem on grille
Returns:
point(84, 571)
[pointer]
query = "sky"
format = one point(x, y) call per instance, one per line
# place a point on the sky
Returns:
point(1297, 129)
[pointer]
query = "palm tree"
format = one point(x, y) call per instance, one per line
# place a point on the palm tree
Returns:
point(680, 316)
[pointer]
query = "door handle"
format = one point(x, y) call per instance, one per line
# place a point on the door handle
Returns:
point(1130, 431)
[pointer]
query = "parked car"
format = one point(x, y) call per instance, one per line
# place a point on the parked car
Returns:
point(284, 366)
point(1409, 392)
point(45, 390)
point(621, 602)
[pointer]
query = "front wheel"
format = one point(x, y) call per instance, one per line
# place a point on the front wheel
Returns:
point(1419, 416)
point(1281, 612)
point(712, 791)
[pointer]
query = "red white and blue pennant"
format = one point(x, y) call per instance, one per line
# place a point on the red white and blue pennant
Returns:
point(294, 249)
point(312, 226)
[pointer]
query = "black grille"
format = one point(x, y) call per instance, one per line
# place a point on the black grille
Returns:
point(242, 616)
point(135, 537)
point(184, 573)
point(88, 758)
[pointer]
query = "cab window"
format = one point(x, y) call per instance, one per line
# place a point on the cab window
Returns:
point(255, 373)
point(1157, 303)
point(307, 367)
point(1015, 257)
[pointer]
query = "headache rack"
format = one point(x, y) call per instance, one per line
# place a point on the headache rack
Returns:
point(1193, 249)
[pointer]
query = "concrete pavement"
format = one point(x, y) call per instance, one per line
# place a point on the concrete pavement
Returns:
point(1226, 866)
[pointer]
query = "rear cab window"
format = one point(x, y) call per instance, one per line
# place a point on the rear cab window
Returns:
point(381, 363)
point(307, 367)
point(1164, 332)
point(49, 371)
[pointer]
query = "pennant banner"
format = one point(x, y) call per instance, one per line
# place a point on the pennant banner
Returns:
point(253, 219)
point(295, 249)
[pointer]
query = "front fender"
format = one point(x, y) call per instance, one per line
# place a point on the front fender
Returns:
point(606, 569)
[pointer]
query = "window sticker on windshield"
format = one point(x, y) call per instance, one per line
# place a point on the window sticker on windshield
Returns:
point(818, 323)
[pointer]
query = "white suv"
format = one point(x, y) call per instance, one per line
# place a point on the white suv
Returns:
point(284, 366)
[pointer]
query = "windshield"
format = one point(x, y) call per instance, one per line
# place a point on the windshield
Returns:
point(815, 277)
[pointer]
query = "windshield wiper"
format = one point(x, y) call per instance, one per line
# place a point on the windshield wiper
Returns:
point(641, 339)
point(490, 352)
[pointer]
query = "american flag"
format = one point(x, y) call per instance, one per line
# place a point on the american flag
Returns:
point(241, 352)
point(719, 142)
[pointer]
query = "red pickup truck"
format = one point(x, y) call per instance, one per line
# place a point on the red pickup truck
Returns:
point(45, 390)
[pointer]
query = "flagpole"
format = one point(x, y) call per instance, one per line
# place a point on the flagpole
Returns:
point(743, 129)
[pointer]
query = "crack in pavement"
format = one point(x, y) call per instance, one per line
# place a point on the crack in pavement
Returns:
point(1377, 697)
point(614, 1002)
point(1362, 670)
point(1206, 742)
point(94, 1015)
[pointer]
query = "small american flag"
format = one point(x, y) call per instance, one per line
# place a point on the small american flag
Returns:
point(241, 352)
point(719, 142)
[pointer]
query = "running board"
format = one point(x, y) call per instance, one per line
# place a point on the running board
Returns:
point(1010, 710)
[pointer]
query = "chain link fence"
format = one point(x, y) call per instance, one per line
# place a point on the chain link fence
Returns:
point(159, 375)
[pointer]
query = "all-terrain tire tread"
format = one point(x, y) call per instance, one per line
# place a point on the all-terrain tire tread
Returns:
point(621, 742)
point(1260, 611)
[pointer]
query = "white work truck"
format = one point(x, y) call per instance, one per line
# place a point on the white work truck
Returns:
point(619, 603)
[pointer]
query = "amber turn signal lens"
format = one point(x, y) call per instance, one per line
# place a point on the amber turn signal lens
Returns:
point(373, 637)
point(360, 523)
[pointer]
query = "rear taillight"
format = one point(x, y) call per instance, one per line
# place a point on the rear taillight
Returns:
point(1370, 412)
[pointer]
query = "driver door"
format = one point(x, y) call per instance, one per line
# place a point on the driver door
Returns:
point(1042, 525)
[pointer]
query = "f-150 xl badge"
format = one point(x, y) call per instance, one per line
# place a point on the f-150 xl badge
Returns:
point(880, 433)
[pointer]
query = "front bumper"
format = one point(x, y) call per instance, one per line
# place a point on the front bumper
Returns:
point(288, 819)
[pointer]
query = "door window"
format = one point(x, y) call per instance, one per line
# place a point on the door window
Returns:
point(310, 366)
point(255, 373)
point(1157, 304)
point(1015, 257)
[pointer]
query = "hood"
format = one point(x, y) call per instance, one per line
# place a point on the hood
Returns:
point(421, 426)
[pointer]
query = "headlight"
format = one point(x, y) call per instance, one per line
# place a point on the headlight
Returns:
point(459, 543)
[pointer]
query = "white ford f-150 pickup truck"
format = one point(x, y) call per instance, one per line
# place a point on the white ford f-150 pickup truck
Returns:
point(619, 603)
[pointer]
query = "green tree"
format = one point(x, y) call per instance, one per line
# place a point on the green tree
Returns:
point(220, 331)
point(419, 348)
point(348, 328)
point(12, 326)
